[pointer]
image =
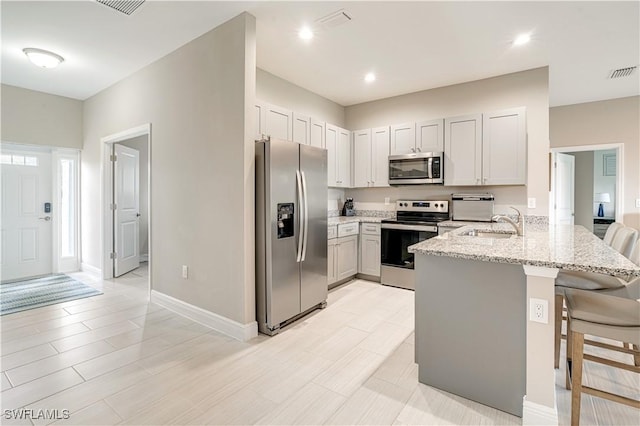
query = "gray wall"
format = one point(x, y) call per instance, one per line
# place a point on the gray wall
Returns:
point(527, 88)
point(140, 144)
point(199, 100)
point(583, 194)
point(37, 118)
point(604, 122)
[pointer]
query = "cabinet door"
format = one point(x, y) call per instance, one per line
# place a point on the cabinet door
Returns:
point(259, 121)
point(369, 255)
point(362, 158)
point(463, 150)
point(332, 273)
point(301, 129)
point(379, 156)
point(317, 134)
point(344, 158)
point(347, 257)
point(331, 140)
point(403, 138)
point(430, 136)
point(504, 147)
point(278, 122)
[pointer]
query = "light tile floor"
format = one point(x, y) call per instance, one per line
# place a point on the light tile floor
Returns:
point(116, 358)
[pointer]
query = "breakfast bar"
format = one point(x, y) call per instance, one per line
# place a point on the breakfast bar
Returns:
point(484, 310)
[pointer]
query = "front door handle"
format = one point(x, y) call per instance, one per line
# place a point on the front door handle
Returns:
point(47, 218)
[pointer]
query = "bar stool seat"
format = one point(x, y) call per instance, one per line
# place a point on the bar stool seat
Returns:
point(587, 281)
point(601, 315)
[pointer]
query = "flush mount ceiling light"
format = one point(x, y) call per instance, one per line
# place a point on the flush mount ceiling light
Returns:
point(370, 77)
point(522, 39)
point(305, 33)
point(43, 58)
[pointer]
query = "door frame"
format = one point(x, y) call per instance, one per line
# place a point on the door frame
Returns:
point(619, 147)
point(106, 196)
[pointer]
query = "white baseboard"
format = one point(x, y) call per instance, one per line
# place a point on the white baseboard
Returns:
point(241, 332)
point(91, 269)
point(538, 414)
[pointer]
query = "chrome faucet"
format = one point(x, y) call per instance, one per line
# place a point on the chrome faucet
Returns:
point(518, 226)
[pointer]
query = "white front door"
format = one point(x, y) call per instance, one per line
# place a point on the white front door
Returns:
point(564, 187)
point(126, 188)
point(26, 226)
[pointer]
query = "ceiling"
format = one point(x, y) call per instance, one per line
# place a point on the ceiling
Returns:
point(410, 46)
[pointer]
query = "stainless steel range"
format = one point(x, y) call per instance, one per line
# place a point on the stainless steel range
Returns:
point(416, 221)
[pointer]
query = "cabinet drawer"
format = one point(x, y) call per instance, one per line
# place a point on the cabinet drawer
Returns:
point(370, 228)
point(332, 232)
point(347, 229)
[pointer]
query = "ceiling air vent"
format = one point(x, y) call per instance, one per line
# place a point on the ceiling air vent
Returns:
point(124, 6)
point(334, 19)
point(622, 72)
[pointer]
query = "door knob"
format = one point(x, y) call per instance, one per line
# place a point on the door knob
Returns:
point(137, 214)
point(47, 218)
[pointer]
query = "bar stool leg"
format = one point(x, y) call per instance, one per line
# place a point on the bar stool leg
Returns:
point(576, 376)
point(558, 325)
point(568, 351)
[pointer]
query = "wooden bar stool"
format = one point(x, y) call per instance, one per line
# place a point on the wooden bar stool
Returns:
point(601, 315)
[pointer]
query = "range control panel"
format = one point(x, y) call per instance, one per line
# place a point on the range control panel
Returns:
point(423, 206)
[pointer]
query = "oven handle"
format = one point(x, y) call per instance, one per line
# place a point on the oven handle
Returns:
point(423, 228)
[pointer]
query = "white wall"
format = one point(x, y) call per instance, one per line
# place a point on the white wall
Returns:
point(583, 193)
point(604, 122)
point(140, 143)
point(527, 88)
point(604, 184)
point(276, 91)
point(199, 100)
point(37, 118)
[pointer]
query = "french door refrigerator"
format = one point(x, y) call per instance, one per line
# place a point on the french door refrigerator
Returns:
point(291, 232)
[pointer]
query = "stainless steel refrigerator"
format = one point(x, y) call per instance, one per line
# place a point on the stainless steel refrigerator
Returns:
point(291, 232)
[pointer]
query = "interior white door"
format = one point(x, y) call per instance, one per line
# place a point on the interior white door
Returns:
point(26, 226)
point(126, 194)
point(564, 187)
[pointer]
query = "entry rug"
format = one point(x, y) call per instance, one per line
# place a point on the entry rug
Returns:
point(36, 292)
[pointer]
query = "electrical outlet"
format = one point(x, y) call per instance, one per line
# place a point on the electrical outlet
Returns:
point(531, 203)
point(539, 310)
point(387, 200)
point(638, 203)
point(185, 271)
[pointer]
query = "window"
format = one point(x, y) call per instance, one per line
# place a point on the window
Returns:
point(19, 160)
point(67, 203)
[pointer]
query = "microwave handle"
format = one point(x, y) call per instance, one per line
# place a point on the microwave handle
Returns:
point(429, 168)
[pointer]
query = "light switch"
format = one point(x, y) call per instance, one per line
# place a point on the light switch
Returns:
point(638, 203)
point(531, 203)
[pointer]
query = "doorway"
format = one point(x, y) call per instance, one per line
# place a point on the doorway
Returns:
point(126, 197)
point(596, 185)
point(40, 199)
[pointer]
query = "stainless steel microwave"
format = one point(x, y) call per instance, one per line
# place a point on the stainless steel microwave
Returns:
point(416, 169)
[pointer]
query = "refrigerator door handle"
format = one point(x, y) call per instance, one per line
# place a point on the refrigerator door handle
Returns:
point(301, 216)
point(306, 217)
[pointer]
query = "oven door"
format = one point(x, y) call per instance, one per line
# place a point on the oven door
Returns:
point(396, 238)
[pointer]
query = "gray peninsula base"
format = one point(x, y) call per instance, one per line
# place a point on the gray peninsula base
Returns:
point(471, 329)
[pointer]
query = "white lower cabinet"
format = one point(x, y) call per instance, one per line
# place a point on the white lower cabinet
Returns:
point(369, 249)
point(342, 254)
point(332, 273)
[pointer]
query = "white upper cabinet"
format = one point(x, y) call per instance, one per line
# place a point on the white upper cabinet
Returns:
point(331, 141)
point(403, 138)
point(301, 129)
point(362, 158)
point(278, 122)
point(343, 167)
point(504, 147)
point(317, 134)
point(430, 136)
point(380, 156)
point(463, 150)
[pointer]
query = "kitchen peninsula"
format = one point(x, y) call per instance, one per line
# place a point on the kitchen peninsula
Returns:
point(475, 336)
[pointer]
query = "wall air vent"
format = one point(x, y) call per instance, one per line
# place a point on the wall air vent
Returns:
point(125, 6)
point(334, 19)
point(622, 72)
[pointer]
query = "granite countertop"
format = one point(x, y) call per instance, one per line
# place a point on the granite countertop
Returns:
point(459, 223)
point(553, 246)
point(332, 221)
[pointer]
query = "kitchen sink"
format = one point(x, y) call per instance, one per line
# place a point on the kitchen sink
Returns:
point(486, 234)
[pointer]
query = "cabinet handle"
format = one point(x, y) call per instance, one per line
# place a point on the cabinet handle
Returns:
point(419, 150)
point(478, 180)
point(413, 150)
point(485, 180)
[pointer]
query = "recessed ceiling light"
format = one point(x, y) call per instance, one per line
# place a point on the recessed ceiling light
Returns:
point(43, 58)
point(370, 77)
point(305, 33)
point(522, 39)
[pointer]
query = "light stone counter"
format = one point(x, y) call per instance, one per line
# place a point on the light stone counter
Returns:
point(332, 221)
point(560, 246)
